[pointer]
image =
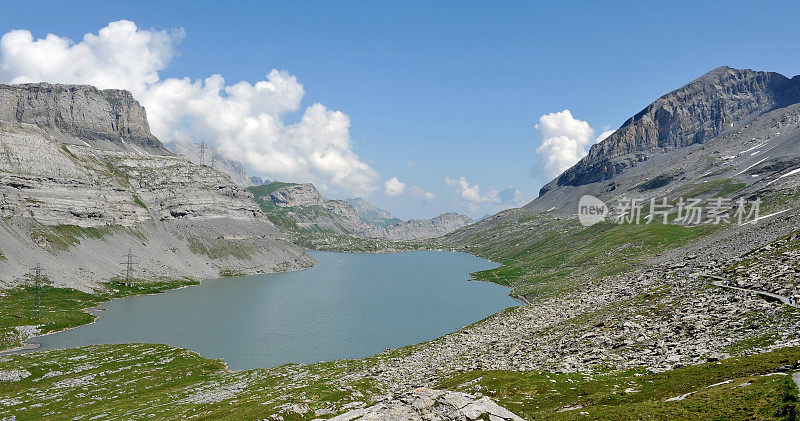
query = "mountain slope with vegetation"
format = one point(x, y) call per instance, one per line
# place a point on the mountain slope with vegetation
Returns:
point(301, 210)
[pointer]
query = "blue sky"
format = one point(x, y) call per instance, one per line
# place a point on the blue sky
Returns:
point(455, 88)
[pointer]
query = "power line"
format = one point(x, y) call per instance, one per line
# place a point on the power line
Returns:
point(202, 153)
point(129, 281)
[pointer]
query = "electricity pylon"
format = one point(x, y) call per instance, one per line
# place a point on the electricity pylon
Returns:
point(129, 269)
point(202, 153)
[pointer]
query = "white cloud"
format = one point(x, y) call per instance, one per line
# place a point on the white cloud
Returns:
point(244, 121)
point(472, 193)
point(603, 136)
point(475, 199)
point(565, 140)
point(394, 187)
point(421, 194)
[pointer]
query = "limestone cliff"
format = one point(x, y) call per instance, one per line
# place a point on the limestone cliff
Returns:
point(718, 101)
point(727, 128)
point(107, 118)
point(82, 181)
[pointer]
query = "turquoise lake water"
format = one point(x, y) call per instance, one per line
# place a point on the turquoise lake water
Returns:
point(347, 306)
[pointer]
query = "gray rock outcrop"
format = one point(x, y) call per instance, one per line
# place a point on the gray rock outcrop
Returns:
point(297, 195)
point(694, 113)
point(213, 159)
point(105, 118)
point(431, 404)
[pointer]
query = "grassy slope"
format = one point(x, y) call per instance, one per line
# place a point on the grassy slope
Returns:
point(542, 256)
point(63, 308)
point(141, 380)
point(637, 394)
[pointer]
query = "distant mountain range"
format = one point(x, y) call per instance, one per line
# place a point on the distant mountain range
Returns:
point(307, 210)
point(372, 214)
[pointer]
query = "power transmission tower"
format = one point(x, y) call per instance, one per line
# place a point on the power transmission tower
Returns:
point(129, 269)
point(202, 152)
point(38, 291)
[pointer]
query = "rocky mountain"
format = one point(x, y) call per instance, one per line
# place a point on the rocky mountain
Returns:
point(372, 214)
point(292, 195)
point(258, 181)
point(82, 182)
point(212, 158)
point(308, 210)
point(728, 126)
point(110, 119)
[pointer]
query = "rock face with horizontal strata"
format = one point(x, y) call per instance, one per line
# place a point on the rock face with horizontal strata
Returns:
point(99, 117)
point(76, 195)
point(192, 151)
point(694, 113)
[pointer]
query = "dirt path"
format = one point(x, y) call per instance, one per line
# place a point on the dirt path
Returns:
point(720, 282)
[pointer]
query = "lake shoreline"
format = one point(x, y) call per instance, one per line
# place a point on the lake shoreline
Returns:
point(450, 281)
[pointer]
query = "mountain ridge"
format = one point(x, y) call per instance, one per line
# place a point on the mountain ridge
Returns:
point(305, 206)
point(681, 125)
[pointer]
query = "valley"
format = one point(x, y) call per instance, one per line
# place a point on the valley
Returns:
point(622, 320)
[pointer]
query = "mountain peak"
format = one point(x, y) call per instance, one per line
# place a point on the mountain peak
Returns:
point(704, 108)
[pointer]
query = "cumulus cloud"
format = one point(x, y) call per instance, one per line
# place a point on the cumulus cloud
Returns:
point(394, 187)
point(604, 135)
point(419, 193)
point(475, 199)
point(565, 140)
point(245, 121)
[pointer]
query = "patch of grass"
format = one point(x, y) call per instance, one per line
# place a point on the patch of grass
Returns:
point(138, 201)
point(266, 189)
point(656, 182)
point(220, 248)
point(542, 256)
point(135, 381)
point(69, 152)
point(225, 273)
point(62, 237)
point(63, 308)
point(635, 394)
point(722, 187)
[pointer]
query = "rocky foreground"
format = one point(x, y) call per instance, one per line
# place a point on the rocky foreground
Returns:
point(431, 404)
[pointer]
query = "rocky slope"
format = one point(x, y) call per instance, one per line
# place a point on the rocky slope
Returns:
point(430, 404)
point(372, 214)
point(213, 159)
point(82, 181)
point(309, 210)
point(729, 124)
